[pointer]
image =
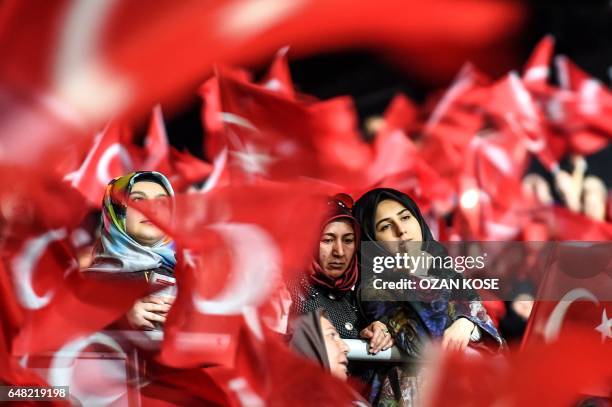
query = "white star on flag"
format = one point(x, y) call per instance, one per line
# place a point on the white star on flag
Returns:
point(605, 327)
point(252, 161)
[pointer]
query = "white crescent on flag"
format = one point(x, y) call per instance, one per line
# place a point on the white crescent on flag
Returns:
point(24, 264)
point(555, 320)
point(255, 261)
point(62, 369)
point(115, 149)
point(218, 168)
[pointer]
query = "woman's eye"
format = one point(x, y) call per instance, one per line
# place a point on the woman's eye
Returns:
point(136, 198)
point(349, 241)
point(405, 218)
point(326, 241)
point(385, 227)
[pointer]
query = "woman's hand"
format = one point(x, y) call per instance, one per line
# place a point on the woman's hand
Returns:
point(378, 335)
point(146, 311)
point(457, 336)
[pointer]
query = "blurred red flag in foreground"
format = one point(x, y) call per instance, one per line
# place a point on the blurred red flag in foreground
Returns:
point(234, 247)
point(559, 374)
point(39, 260)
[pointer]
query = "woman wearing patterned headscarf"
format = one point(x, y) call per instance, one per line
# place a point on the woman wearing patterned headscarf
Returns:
point(390, 220)
point(132, 245)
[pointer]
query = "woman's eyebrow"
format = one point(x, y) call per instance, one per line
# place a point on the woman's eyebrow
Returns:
point(382, 220)
point(137, 192)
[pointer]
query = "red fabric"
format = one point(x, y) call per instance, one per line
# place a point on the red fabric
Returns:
point(107, 158)
point(41, 265)
point(229, 241)
point(264, 139)
point(181, 168)
point(579, 362)
point(278, 77)
point(537, 69)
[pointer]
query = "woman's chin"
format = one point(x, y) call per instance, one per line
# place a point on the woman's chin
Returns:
point(335, 273)
point(148, 240)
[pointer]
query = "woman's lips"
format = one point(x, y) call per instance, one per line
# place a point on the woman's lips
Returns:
point(336, 265)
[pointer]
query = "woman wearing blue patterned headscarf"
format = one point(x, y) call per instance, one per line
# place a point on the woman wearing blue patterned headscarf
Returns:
point(132, 245)
point(129, 242)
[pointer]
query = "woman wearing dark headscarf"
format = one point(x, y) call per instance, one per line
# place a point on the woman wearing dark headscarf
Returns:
point(308, 338)
point(333, 274)
point(390, 220)
point(131, 245)
point(313, 335)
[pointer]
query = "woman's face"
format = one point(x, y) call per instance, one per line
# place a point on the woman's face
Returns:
point(136, 224)
point(393, 222)
point(336, 248)
point(336, 349)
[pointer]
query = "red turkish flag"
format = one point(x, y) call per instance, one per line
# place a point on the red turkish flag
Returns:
point(572, 296)
point(11, 318)
point(401, 114)
point(494, 163)
point(267, 372)
point(583, 105)
point(269, 136)
point(516, 109)
point(558, 374)
point(454, 121)
point(156, 146)
point(108, 158)
point(278, 77)
point(181, 168)
point(186, 169)
point(536, 72)
point(233, 250)
point(564, 224)
point(74, 65)
point(574, 299)
point(41, 212)
point(393, 152)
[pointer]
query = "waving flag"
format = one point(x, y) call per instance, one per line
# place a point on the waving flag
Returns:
point(536, 72)
point(41, 264)
point(268, 136)
point(233, 249)
point(573, 297)
point(278, 77)
point(108, 158)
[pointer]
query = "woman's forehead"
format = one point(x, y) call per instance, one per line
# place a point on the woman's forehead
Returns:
point(148, 188)
point(339, 225)
point(388, 207)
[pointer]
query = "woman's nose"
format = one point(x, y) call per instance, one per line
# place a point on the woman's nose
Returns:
point(400, 230)
point(343, 346)
point(338, 249)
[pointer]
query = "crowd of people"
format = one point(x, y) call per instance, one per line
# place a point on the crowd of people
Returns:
point(326, 304)
point(237, 271)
